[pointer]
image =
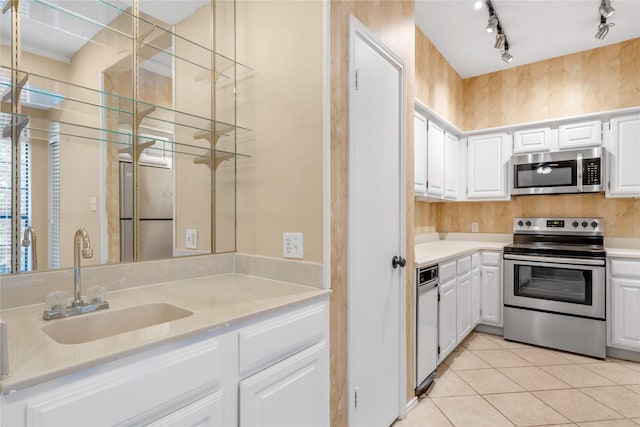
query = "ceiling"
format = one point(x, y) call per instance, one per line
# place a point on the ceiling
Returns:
point(536, 30)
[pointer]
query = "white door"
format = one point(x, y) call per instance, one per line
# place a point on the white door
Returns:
point(376, 232)
point(464, 305)
point(491, 295)
point(625, 313)
point(487, 158)
point(451, 161)
point(475, 296)
point(420, 154)
point(435, 160)
point(624, 152)
point(447, 314)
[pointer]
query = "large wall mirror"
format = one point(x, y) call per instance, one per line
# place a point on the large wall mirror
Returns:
point(118, 116)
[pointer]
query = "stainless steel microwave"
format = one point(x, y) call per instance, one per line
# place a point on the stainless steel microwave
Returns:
point(575, 171)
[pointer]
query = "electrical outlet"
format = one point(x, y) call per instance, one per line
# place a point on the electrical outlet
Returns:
point(192, 238)
point(474, 227)
point(292, 245)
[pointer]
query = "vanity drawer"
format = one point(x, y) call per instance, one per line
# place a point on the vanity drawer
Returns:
point(464, 265)
point(141, 391)
point(273, 340)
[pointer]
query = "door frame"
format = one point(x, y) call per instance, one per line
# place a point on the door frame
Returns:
point(358, 30)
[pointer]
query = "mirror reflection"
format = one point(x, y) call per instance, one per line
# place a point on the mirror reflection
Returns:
point(120, 135)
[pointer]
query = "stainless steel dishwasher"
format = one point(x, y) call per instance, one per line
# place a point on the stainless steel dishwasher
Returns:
point(426, 327)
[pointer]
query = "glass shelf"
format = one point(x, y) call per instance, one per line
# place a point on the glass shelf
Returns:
point(220, 156)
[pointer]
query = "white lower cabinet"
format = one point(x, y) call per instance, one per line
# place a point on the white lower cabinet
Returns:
point(475, 290)
point(277, 363)
point(463, 290)
point(447, 313)
point(491, 288)
point(290, 393)
point(624, 313)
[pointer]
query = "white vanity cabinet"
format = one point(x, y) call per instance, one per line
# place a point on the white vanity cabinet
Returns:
point(623, 149)
point(253, 370)
point(580, 135)
point(491, 288)
point(532, 140)
point(624, 309)
point(487, 159)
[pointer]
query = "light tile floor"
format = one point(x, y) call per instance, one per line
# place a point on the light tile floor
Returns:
point(491, 382)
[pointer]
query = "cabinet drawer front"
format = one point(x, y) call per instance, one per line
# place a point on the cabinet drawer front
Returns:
point(475, 260)
point(584, 134)
point(446, 271)
point(273, 340)
point(491, 258)
point(625, 268)
point(464, 265)
point(140, 391)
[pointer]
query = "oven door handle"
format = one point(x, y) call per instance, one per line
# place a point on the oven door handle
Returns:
point(554, 260)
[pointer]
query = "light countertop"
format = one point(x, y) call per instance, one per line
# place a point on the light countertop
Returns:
point(623, 252)
point(430, 253)
point(216, 302)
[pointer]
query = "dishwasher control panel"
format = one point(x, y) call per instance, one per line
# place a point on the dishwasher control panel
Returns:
point(427, 275)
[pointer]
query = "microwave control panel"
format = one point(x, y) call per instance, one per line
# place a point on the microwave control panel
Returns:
point(591, 172)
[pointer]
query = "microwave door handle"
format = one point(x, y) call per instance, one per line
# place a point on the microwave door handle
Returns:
point(579, 167)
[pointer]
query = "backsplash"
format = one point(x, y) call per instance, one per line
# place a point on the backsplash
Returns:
point(621, 216)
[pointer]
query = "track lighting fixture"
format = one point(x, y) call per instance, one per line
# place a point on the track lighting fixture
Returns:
point(603, 28)
point(506, 56)
point(605, 8)
point(493, 26)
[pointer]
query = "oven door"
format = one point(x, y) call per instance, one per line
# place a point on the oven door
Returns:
point(559, 285)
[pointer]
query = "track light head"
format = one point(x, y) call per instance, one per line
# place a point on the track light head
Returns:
point(500, 39)
point(603, 28)
point(478, 4)
point(492, 24)
point(506, 56)
point(605, 8)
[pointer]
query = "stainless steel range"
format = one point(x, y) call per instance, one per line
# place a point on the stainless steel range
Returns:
point(554, 284)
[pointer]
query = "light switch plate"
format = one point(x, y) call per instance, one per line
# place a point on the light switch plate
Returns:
point(292, 245)
point(192, 238)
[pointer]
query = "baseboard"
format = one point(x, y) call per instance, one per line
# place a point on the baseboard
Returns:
point(488, 329)
point(619, 353)
point(412, 404)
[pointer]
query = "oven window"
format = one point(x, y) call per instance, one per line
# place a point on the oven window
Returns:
point(554, 283)
point(554, 174)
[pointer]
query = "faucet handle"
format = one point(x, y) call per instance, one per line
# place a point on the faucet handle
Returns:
point(95, 294)
point(56, 301)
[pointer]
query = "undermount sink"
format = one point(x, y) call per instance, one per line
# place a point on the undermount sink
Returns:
point(85, 328)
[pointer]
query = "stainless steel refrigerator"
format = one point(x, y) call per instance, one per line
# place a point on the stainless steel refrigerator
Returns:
point(155, 205)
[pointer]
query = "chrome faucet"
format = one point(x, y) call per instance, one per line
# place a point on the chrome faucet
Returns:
point(78, 306)
point(29, 232)
point(81, 237)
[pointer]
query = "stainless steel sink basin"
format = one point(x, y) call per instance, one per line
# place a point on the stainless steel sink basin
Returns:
point(86, 328)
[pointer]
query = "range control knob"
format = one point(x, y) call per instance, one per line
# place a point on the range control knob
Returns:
point(575, 223)
point(594, 224)
point(520, 223)
point(585, 223)
point(528, 223)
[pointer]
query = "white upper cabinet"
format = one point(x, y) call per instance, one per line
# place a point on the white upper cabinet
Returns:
point(487, 157)
point(579, 135)
point(623, 145)
point(531, 140)
point(420, 154)
point(451, 161)
point(435, 160)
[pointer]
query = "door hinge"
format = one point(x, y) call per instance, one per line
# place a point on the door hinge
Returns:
point(438, 296)
point(438, 349)
point(355, 398)
point(609, 184)
point(357, 78)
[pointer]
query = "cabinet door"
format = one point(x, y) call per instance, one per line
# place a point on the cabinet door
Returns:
point(463, 290)
point(491, 295)
point(451, 162)
point(294, 392)
point(435, 161)
point(624, 152)
point(475, 297)
point(447, 332)
point(625, 316)
point(578, 135)
point(207, 412)
point(420, 154)
point(531, 140)
point(487, 171)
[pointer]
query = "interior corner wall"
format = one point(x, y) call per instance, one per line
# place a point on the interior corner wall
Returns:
point(279, 188)
point(394, 23)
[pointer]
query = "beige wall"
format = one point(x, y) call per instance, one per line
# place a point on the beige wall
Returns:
point(280, 186)
point(597, 80)
point(393, 22)
point(437, 83)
